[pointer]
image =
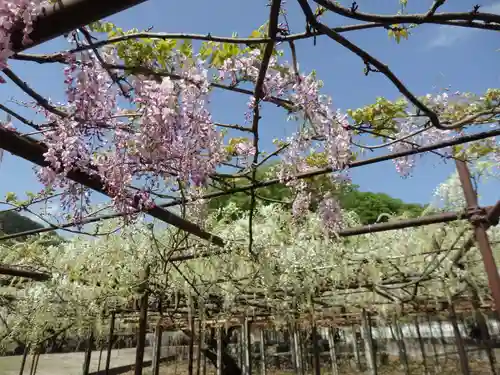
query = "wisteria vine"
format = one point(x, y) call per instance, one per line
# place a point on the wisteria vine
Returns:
point(141, 125)
point(296, 260)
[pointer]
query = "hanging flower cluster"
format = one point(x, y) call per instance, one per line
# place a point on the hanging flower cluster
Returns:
point(320, 122)
point(414, 130)
point(294, 258)
point(171, 137)
point(13, 12)
point(411, 131)
point(281, 81)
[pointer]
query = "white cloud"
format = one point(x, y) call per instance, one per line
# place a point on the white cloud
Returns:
point(450, 35)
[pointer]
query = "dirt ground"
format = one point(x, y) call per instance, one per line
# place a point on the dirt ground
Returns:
point(448, 367)
point(71, 364)
point(66, 363)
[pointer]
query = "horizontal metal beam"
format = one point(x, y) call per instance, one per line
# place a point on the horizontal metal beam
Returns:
point(32, 151)
point(444, 217)
point(67, 15)
point(356, 164)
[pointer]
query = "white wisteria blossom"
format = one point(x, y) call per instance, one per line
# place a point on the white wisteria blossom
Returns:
point(291, 260)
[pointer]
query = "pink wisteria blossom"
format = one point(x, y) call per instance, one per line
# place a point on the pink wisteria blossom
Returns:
point(13, 12)
point(171, 138)
point(330, 213)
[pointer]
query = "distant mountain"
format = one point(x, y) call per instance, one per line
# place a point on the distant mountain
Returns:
point(13, 222)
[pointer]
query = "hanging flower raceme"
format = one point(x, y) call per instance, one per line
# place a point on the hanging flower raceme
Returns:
point(414, 132)
point(330, 213)
point(13, 12)
point(321, 123)
point(306, 102)
point(172, 136)
point(301, 204)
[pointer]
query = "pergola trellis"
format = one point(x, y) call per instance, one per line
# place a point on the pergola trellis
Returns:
point(71, 14)
point(76, 13)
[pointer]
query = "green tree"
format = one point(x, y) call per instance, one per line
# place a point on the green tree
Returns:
point(13, 222)
point(367, 205)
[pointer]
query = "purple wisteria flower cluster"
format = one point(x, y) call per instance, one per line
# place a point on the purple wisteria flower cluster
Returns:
point(11, 13)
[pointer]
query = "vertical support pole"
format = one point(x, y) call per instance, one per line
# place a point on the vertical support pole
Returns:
point(23, 361)
point(433, 342)
point(204, 359)
point(34, 361)
point(262, 353)
point(201, 336)
point(110, 341)
point(297, 350)
point(293, 356)
point(485, 334)
point(100, 358)
point(368, 341)
point(464, 361)
point(246, 347)
point(333, 352)
point(201, 341)
point(422, 346)
point(480, 226)
point(192, 336)
point(219, 351)
point(398, 336)
point(155, 363)
point(143, 321)
point(443, 341)
point(355, 347)
point(315, 338)
point(88, 354)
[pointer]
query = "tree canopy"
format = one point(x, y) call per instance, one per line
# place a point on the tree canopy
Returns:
point(13, 222)
point(369, 206)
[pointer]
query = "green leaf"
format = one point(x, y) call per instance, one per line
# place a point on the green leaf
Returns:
point(186, 48)
point(10, 197)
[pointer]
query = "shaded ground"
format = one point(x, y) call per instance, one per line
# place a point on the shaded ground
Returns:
point(67, 363)
point(71, 364)
point(394, 368)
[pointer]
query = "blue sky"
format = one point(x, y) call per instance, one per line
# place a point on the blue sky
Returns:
point(435, 57)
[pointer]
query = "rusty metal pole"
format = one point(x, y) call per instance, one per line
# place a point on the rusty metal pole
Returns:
point(480, 226)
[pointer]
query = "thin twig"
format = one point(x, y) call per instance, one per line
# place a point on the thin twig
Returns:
point(434, 7)
point(429, 17)
point(369, 59)
point(233, 126)
point(114, 77)
point(154, 72)
point(19, 117)
point(33, 94)
point(207, 38)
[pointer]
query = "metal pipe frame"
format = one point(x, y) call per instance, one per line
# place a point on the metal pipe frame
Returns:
point(32, 150)
point(481, 224)
point(66, 15)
